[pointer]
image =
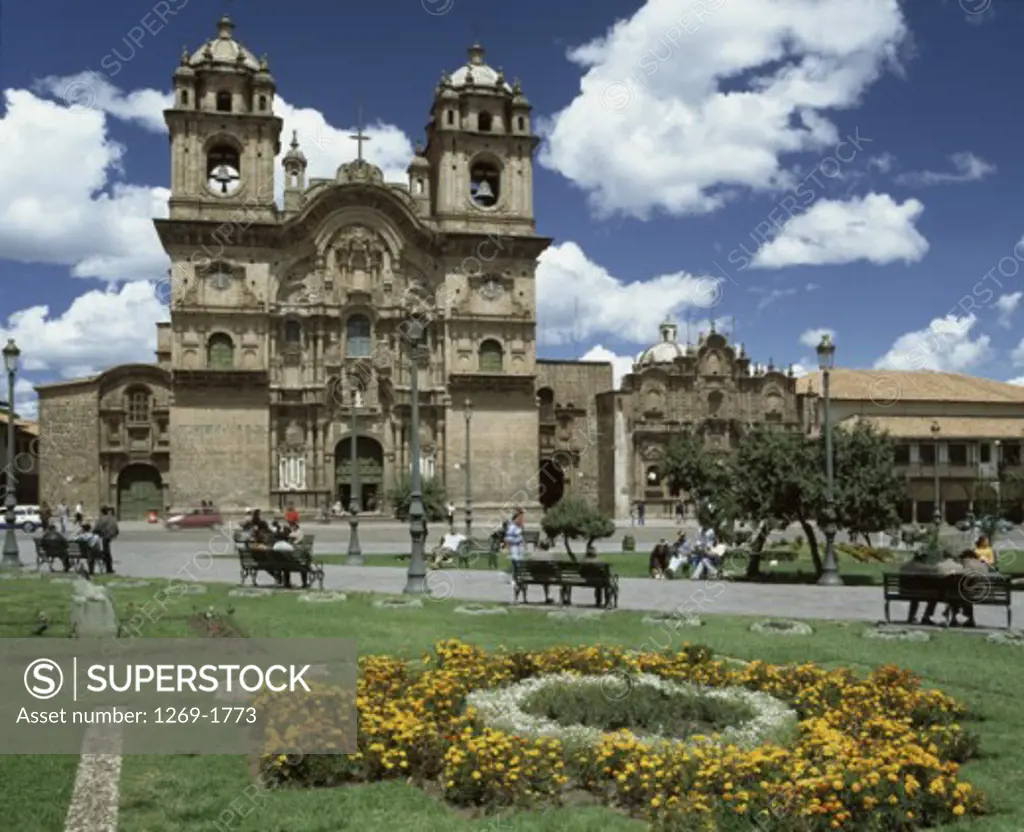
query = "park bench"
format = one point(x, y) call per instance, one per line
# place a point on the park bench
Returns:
point(978, 588)
point(68, 552)
point(566, 575)
point(473, 548)
point(275, 564)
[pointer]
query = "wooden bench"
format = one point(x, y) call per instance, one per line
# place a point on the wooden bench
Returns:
point(252, 562)
point(566, 575)
point(979, 588)
point(473, 548)
point(68, 552)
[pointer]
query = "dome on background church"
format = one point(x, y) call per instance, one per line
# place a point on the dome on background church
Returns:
point(667, 350)
point(224, 49)
point(476, 73)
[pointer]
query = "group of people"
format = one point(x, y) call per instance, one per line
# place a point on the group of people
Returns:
point(702, 558)
point(981, 560)
point(261, 536)
point(96, 538)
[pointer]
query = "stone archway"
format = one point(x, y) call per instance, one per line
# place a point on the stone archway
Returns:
point(139, 491)
point(370, 456)
point(552, 483)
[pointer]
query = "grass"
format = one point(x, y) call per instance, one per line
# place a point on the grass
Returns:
point(188, 794)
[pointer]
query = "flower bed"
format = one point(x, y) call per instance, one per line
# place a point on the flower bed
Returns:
point(778, 627)
point(869, 753)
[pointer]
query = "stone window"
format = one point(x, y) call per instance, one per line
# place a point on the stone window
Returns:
point(485, 122)
point(492, 358)
point(292, 333)
point(224, 102)
point(223, 169)
point(901, 455)
point(220, 352)
point(451, 117)
point(263, 102)
point(484, 183)
point(546, 400)
point(184, 97)
point(358, 337)
point(291, 473)
point(521, 123)
point(138, 405)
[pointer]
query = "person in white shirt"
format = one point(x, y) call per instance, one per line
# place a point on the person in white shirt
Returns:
point(450, 511)
point(88, 539)
point(447, 549)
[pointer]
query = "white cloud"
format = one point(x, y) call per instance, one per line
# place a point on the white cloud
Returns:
point(683, 103)
point(1006, 305)
point(1017, 356)
point(803, 367)
point(622, 365)
point(966, 168)
point(66, 201)
point(1019, 381)
point(831, 232)
point(26, 405)
point(945, 345)
point(578, 299)
point(812, 337)
point(99, 329)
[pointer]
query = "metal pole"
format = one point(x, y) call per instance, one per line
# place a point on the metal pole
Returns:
point(937, 513)
point(11, 560)
point(469, 492)
point(830, 569)
point(355, 552)
point(416, 583)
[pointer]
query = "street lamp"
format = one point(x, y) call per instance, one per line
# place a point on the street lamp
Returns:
point(416, 583)
point(11, 560)
point(355, 552)
point(830, 569)
point(469, 494)
point(937, 512)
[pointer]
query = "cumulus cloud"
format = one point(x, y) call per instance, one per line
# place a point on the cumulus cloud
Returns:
point(874, 228)
point(945, 345)
point(577, 299)
point(683, 104)
point(812, 337)
point(1006, 305)
point(966, 168)
point(622, 365)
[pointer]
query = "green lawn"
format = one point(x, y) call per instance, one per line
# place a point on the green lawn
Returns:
point(187, 794)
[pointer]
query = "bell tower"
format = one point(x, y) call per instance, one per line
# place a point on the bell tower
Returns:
point(224, 134)
point(480, 148)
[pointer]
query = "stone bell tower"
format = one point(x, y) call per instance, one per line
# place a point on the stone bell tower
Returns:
point(480, 147)
point(224, 134)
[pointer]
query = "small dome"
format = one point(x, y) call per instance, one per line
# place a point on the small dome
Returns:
point(224, 49)
point(294, 154)
point(419, 161)
point(667, 350)
point(476, 73)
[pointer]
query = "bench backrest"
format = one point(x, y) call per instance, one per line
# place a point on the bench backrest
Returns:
point(537, 569)
point(587, 570)
point(973, 587)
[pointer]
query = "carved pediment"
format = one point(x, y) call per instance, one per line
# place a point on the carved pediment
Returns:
point(652, 452)
point(359, 256)
point(294, 437)
point(712, 365)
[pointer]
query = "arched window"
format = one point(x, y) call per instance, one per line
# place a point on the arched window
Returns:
point(484, 183)
point(184, 97)
point(491, 357)
point(485, 122)
point(357, 336)
point(451, 117)
point(546, 399)
point(220, 352)
point(224, 102)
point(138, 405)
point(292, 333)
point(263, 102)
point(223, 169)
point(521, 122)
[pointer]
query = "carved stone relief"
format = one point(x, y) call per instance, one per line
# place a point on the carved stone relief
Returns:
point(294, 437)
point(359, 258)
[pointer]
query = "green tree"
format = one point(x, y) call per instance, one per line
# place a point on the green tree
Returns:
point(434, 498)
point(708, 478)
point(868, 490)
point(573, 518)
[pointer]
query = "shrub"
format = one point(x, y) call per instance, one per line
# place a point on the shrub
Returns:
point(434, 498)
point(572, 518)
point(628, 543)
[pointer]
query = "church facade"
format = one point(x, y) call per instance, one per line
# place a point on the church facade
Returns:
point(291, 329)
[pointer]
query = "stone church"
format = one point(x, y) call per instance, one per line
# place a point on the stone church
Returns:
point(290, 333)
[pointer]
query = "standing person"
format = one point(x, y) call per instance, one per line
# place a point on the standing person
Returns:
point(79, 513)
point(92, 542)
point(45, 515)
point(450, 511)
point(107, 530)
point(632, 514)
point(641, 511)
point(291, 516)
point(514, 540)
point(680, 512)
point(62, 517)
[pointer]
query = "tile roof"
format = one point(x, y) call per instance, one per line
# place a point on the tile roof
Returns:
point(951, 427)
point(889, 386)
point(26, 425)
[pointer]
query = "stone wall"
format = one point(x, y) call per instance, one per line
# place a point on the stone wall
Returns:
point(68, 446)
point(220, 449)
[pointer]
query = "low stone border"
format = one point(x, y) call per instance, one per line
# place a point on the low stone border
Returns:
point(19, 575)
point(897, 634)
point(322, 597)
point(251, 592)
point(1011, 638)
point(781, 627)
point(576, 614)
point(480, 609)
point(186, 589)
point(122, 584)
point(501, 708)
point(673, 620)
point(398, 604)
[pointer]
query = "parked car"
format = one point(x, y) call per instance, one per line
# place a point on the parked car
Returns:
point(196, 518)
point(26, 518)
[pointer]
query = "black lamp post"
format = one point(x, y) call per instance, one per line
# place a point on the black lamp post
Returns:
point(11, 560)
point(416, 584)
point(469, 493)
point(937, 513)
point(355, 552)
point(830, 569)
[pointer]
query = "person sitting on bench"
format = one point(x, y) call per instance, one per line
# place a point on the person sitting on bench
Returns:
point(446, 550)
point(658, 563)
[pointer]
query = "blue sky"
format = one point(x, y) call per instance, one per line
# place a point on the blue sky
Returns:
point(789, 164)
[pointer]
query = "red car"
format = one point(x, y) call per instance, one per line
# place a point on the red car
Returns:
point(196, 518)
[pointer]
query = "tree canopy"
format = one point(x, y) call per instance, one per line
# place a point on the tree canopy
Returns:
point(573, 518)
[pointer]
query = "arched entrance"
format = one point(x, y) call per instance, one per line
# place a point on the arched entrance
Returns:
point(370, 455)
point(552, 483)
point(139, 491)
